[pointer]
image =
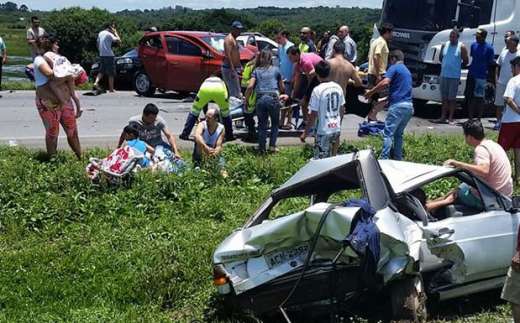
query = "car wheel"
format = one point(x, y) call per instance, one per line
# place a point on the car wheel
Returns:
point(143, 84)
point(408, 299)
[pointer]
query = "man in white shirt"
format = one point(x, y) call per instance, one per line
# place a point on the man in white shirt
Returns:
point(325, 104)
point(33, 34)
point(343, 35)
point(106, 38)
point(509, 135)
point(504, 74)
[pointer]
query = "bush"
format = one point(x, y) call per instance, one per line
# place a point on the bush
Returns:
point(77, 30)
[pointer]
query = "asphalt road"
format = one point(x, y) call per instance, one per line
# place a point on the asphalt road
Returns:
point(104, 117)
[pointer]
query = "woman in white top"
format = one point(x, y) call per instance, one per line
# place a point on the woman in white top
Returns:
point(52, 116)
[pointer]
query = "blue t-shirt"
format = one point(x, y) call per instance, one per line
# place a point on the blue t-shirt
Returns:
point(286, 66)
point(140, 146)
point(482, 57)
point(267, 79)
point(400, 84)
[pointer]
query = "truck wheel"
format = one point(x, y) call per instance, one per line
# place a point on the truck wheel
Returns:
point(408, 300)
point(143, 84)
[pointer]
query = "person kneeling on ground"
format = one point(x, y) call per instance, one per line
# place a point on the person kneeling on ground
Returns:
point(326, 102)
point(131, 135)
point(490, 164)
point(209, 137)
point(151, 127)
point(212, 90)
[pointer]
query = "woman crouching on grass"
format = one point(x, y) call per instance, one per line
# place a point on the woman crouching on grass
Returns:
point(55, 109)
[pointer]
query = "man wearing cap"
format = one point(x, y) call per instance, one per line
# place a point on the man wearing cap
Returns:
point(483, 56)
point(307, 44)
point(231, 67)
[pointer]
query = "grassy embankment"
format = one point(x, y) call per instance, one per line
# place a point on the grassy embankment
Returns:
point(71, 252)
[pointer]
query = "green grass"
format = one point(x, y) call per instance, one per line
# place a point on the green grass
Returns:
point(29, 86)
point(15, 40)
point(71, 252)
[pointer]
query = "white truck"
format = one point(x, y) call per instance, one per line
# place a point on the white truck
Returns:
point(422, 27)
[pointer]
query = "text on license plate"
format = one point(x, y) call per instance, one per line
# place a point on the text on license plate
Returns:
point(278, 258)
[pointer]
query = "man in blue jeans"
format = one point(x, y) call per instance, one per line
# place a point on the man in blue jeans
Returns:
point(400, 111)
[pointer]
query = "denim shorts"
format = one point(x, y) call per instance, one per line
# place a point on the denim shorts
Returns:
point(323, 145)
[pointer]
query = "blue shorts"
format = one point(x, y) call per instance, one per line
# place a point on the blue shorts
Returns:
point(466, 197)
point(480, 88)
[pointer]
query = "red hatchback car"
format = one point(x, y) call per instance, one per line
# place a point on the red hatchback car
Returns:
point(180, 60)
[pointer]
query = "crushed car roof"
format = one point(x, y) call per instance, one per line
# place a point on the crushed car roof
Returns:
point(405, 176)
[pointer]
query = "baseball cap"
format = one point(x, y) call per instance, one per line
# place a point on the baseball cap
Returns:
point(237, 25)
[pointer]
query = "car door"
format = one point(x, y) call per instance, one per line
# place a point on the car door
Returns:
point(185, 60)
point(480, 245)
point(153, 57)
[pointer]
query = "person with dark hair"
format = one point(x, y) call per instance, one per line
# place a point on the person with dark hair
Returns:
point(454, 54)
point(378, 63)
point(491, 163)
point(509, 135)
point(286, 69)
point(213, 89)
point(342, 71)
point(267, 83)
point(33, 34)
point(326, 102)
point(503, 74)
point(400, 108)
point(305, 79)
point(131, 137)
point(323, 43)
point(105, 40)
point(483, 57)
point(52, 113)
point(151, 127)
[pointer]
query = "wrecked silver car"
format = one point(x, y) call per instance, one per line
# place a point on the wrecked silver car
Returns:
point(365, 236)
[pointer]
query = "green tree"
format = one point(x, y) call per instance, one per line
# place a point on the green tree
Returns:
point(270, 27)
point(77, 30)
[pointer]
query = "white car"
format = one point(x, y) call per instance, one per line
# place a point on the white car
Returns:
point(257, 40)
point(294, 263)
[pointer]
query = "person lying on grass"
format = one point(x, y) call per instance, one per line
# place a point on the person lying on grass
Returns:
point(131, 135)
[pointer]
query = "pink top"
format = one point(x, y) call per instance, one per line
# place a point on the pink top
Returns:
point(499, 176)
point(307, 62)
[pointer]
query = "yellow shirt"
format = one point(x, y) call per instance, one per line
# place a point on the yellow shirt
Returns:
point(378, 47)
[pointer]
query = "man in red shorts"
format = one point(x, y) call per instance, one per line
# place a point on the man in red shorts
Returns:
point(509, 136)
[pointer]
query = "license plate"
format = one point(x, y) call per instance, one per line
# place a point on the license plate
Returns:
point(277, 258)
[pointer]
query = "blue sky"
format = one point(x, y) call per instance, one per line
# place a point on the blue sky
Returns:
point(116, 5)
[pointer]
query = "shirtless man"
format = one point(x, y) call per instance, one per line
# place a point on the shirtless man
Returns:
point(342, 71)
point(231, 67)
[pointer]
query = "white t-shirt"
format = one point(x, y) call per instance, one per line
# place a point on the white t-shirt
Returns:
point(39, 78)
point(327, 100)
point(105, 40)
point(32, 35)
point(513, 92)
point(504, 61)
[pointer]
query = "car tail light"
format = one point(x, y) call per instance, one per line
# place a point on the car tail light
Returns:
point(221, 279)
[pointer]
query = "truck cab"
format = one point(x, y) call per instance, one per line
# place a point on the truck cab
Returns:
point(422, 27)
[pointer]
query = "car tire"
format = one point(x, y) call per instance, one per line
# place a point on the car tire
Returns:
point(143, 84)
point(408, 300)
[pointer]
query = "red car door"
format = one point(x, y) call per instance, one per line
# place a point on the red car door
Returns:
point(153, 56)
point(185, 60)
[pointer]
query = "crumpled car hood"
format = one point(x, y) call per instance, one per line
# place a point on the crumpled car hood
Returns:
point(400, 240)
